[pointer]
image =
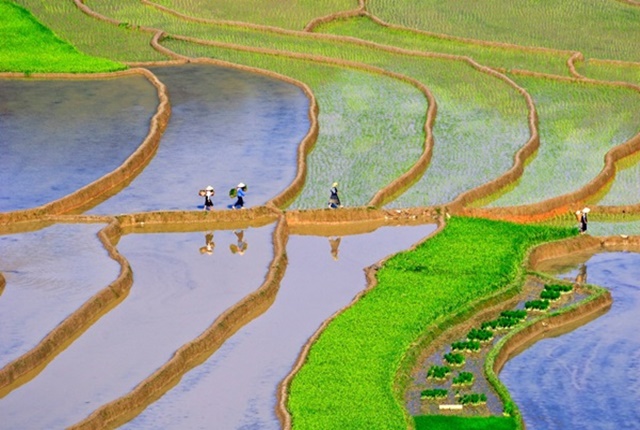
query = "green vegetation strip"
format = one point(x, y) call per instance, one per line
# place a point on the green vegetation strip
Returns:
point(348, 379)
point(440, 422)
point(28, 46)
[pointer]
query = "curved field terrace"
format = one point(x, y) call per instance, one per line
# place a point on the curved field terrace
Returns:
point(462, 140)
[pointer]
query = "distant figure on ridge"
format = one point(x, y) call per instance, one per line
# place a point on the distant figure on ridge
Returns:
point(582, 219)
point(334, 200)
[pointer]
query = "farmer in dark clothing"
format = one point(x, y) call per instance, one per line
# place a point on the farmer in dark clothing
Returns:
point(334, 200)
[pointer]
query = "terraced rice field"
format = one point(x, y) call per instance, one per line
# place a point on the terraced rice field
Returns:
point(449, 130)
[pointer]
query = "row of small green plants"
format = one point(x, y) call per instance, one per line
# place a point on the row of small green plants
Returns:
point(475, 338)
point(355, 359)
point(550, 293)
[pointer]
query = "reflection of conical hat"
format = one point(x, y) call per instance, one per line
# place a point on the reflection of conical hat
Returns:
point(586, 210)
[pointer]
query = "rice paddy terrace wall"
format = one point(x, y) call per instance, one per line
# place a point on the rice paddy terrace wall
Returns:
point(304, 45)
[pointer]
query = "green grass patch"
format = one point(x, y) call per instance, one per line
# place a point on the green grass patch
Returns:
point(598, 29)
point(454, 359)
point(30, 47)
point(348, 379)
point(440, 422)
point(91, 35)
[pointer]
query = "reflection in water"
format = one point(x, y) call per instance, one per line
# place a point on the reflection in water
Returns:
point(581, 278)
point(209, 245)
point(240, 246)
point(335, 243)
point(588, 378)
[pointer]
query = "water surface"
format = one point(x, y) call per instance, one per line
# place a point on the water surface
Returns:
point(58, 136)
point(50, 273)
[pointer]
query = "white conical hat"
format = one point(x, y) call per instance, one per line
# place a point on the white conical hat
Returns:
point(209, 188)
point(586, 210)
point(241, 184)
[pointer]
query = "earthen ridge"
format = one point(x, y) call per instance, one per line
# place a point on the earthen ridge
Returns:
point(198, 350)
point(370, 274)
point(27, 366)
point(131, 167)
point(360, 10)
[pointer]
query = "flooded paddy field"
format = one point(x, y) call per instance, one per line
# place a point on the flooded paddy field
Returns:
point(49, 274)
point(226, 127)
point(178, 291)
point(587, 377)
point(58, 136)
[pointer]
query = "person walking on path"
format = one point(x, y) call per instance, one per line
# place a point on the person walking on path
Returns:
point(582, 219)
point(241, 190)
point(334, 200)
point(208, 193)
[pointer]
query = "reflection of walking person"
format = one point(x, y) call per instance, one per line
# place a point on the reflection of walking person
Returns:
point(241, 189)
point(582, 219)
point(241, 246)
point(209, 245)
point(582, 275)
point(335, 243)
point(334, 200)
point(208, 193)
